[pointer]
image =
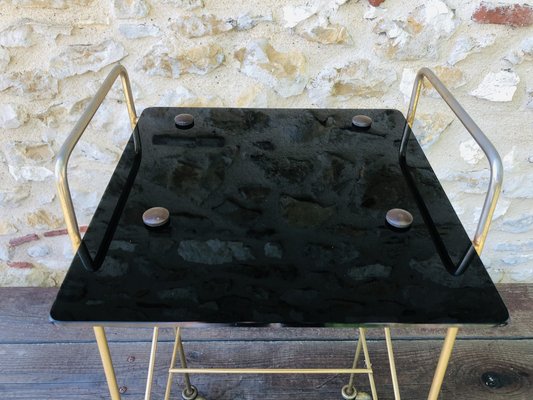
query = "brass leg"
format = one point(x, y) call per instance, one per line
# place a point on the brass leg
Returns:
point(190, 392)
point(392, 365)
point(444, 358)
point(368, 364)
point(349, 392)
point(107, 362)
point(150, 377)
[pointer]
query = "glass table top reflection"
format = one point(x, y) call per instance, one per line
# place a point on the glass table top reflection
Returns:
point(277, 218)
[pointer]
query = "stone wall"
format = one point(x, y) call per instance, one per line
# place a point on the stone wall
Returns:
point(269, 53)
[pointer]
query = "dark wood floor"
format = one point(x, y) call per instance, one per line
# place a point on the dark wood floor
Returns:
point(41, 361)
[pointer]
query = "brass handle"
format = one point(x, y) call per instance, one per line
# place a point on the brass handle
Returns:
point(68, 146)
point(496, 167)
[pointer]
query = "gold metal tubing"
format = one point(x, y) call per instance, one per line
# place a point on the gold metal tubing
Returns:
point(64, 153)
point(495, 162)
point(392, 365)
point(172, 363)
point(444, 358)
point(355, 360)
point(273, 371)
point(183, 360)
point(105, 355)
point(150, 378)
point(368, 364)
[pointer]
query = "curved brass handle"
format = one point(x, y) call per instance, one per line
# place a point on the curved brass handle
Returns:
point(496, 167)
point(66, 149)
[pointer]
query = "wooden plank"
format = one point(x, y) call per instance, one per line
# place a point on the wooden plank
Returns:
point(26, 310)
point(73, 371)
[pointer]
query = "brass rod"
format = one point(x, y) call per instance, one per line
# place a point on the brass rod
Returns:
point(444, 359)
point(264, 371)
point(183, 360)
point(392, 364)
point(354, 364)
point(107, 363)
point(172, 363)
point(368, 364)
point(150, 377)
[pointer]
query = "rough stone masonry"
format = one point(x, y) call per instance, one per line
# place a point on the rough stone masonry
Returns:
point(270, 53)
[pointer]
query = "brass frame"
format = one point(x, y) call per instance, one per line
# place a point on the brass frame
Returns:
point(190, 391)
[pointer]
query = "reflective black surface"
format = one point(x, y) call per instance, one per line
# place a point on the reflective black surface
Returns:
point(276, 216)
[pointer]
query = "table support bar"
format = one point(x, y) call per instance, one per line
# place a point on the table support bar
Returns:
point(444, 358)
point(107, 363)
point(392, 365)
point(150, 377)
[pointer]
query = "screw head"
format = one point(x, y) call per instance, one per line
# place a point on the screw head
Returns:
point(184, 121)
point(156, 216)
point(122, 389)
point(399, 218)
point(361, 121)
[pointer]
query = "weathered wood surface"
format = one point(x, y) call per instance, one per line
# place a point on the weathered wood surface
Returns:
point(41, 361)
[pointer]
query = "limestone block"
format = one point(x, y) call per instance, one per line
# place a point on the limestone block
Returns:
point(16, 36)
point(354, 78)
point(39, 250)
point(35, 84)
point(286, 73)
point(136, 31)
point(247, 21)
point(497, 86)
point(183, 97)
point(14, 195)
point(416, 34)
point(521, 224)
point(253, 97)
point(466, 45)
point(428, 127)
point(295, 14)
point(130, 8)
point(523, 52)
point(18, 153)
point(12, 116)
point(5, 58)
point(185, 4)
point(30, 173)
point(192, 26)
point(7, 228)
point(26, 33)
point(196, 60)
point(326, 33)
point(470, 151)
point(79, 59)
point(43, 219)
point(58, 4)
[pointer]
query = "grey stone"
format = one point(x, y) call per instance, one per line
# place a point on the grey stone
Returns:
point(136, 31)
point(304, 213)
point(17, 36)
point(79, 59)
point(518, 225)
point(130, 8)
point(12, 116)
point(5, 58)
point(13, 197)
point(35, 84)
point(40, 250)
point(57, 4)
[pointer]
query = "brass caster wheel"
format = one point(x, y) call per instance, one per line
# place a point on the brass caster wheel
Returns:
point(190, 395)
point(349, 392)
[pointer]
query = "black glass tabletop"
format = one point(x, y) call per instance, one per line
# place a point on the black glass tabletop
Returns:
point(276, 216)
